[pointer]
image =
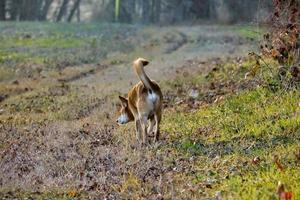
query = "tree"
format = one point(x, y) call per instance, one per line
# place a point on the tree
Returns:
point(155, 11)
point(14, 9)
point(75, 7)
point(2, 10)
point(44, 10)
point(146, 11)
point(62, 10)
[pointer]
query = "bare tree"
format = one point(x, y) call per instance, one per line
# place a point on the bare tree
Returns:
point(34, 9)
point(45, 10)
point(76, 6)
point(146, 11)
point(2, 10)
point(62, 10)
point(14, 9)
point(22, 9)
point(155, 11)
point(78, 14)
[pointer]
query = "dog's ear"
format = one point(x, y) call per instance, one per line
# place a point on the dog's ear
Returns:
point(144, 61)
point(124, 101)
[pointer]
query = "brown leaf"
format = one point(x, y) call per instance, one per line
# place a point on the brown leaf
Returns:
point(72, 193)
point(274, 53)
point(288, 195)
point(278, 164)
point(282, 194)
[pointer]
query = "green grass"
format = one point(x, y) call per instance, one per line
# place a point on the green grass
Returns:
point(46, 42)
point(259, 113)
point(52, 45)
point(250, 32)
point(71, 29)
point(253, 122)
point(213, 147)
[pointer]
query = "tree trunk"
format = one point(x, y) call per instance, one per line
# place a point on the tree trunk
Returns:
point(130, 9)
point(146, 11)
point(62, 10)
point(152, 13)
point(78, 14)
point(178, 12)
point(22, 9)
point(45, 10)
point(75, 7)
point(33, 9)
point(157, 11)
point(2, 10)
point(14, 9)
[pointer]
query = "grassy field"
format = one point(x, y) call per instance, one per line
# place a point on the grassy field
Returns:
point(224, 136)
point(241, 145)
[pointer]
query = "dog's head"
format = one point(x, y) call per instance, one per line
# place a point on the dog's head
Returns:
point(143, 61)
point(125, 113)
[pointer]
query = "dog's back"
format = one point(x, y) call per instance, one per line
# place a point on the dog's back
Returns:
point(141, 100)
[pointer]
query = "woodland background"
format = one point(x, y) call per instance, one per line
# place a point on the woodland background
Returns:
point(136, 11)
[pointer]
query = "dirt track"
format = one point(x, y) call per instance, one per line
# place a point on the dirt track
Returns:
point(168, 49)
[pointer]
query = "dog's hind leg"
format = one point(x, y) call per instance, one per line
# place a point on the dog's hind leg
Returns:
point(151, 125)
point(138, 129)
point(157, 119)
point(143, 121)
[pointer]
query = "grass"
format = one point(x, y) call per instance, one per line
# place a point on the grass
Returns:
point(54, 195)
point(44, 42)
point(55, 45)
point(57, 102)
point(256, 122)
point(250, 32)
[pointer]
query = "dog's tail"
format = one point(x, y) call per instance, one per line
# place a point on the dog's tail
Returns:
point(139, 65)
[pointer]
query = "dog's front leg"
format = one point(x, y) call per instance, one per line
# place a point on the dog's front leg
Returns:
point(157, 119)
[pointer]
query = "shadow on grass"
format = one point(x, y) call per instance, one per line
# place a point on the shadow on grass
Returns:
point(243, 145)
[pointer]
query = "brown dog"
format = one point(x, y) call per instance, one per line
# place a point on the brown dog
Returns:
point(144, 103)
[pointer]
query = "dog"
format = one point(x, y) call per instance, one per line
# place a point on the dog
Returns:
point(143, 105)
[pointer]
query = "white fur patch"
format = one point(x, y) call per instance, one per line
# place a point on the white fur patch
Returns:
point(152, 97)
point(123, 119)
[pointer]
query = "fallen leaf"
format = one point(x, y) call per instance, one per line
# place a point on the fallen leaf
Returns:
point(72, 193)
point(278, 164)
point(282, 194)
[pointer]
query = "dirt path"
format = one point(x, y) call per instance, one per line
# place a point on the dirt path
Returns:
point(168, 49)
